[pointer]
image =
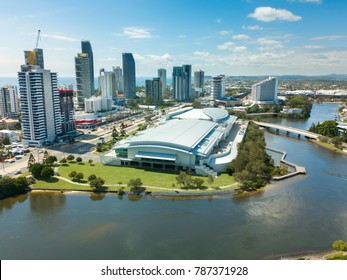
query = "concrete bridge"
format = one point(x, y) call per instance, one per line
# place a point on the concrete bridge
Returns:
point(288, 130)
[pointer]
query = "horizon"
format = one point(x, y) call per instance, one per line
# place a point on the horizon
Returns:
point(235, 38)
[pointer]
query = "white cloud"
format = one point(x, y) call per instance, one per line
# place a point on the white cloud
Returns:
point(268, 14)
point(252, 27)
point(313, 47)
point(160, 58)
point(109, 59)
point(225, 46)
point(218, 20)
point(331, 37)
point(59, 37)
point(224, 32)
point(240, 49)
point(136, 33)
point(241, 37)
point(201, 54)
point(266, 41)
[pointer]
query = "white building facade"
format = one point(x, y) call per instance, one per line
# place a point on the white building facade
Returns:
point(9, 101)
point(265, 91)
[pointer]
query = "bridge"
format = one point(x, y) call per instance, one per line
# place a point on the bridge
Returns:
point(288, 130)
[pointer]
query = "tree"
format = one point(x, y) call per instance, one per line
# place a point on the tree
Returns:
point(340, 245)
point(210, 179)
point(97, 184)
point(31, 160)
point(72, 174)
point(136, 186)
point(50, 160)
point(78, 177)
point(47, 172)
point(90, 161)
point(36, 169)
point(63, 161)
point(198, 182)
point(70, 157)
point(45, 156)
point(78, 159)
point(21, 184)
point(184, 179)
point(115, 133)
point(91, 177)
point(6, 140)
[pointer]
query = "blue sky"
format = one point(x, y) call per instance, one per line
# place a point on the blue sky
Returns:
point(232, 37)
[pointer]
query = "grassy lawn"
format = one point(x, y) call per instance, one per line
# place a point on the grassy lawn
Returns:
point(115, 174)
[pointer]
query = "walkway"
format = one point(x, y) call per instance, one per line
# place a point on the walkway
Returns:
point(288, 129)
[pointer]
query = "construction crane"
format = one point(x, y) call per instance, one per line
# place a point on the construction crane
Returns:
point(32, 54)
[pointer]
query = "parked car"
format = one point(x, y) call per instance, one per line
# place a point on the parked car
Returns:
point(18, 172)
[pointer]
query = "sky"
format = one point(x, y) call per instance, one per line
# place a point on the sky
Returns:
point(231, 37)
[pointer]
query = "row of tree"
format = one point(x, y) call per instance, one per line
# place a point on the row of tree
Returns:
point(13, 186)
point(252, 167)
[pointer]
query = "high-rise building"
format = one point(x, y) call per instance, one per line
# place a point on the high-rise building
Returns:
point(67, 111)
point(187, 81)
point(40, 105)
point(217, 87)
point(118, 79)
point(106, 83)
point(83, 84)
point(181, 82)
point(199, 77)
point(162, 77)
point(154, 91)
point(9, 102)
point(87, 48)
point(265, 91)
point(129, 76)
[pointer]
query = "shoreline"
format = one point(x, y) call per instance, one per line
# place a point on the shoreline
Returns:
point(331, 148)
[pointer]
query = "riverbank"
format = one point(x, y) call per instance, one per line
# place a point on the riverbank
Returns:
point(325, 255)
point(328, 146)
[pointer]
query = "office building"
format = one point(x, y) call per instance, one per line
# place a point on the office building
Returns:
point(265, 91)
point(181, 83)
point(40, 105)
point(199, 79)
point(162, 77)
point(83, 83)
point(153, 91)
point(9, 102)
point(129, 76)
point(86, 47)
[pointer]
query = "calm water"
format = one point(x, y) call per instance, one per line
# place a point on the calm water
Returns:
point(302, 214)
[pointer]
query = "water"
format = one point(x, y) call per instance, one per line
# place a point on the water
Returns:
point(302, 214)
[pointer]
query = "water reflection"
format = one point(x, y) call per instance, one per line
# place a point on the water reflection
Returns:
point(41, 202)
point(8, 203)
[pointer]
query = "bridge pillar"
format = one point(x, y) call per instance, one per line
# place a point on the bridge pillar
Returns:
point(287, 133)
point(299, 135)
point(277, 131)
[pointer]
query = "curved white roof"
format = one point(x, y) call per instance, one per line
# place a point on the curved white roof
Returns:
point(182, 134)
point(216, 114)
point(209, 114)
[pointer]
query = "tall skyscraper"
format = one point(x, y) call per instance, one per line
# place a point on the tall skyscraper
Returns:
point(181, 82)
point(40, 105)
point(87, 48)
point(153, 91)
point(265, 91)
point(129, 76)
point(83, 84)
point(118, 79)
point(162, 77)
point(199, 77)
point(9, 102)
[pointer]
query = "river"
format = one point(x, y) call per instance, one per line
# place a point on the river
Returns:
point(299, 215)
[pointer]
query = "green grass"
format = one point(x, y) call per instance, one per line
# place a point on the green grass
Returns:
point(115, 174)
point(55, 183)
